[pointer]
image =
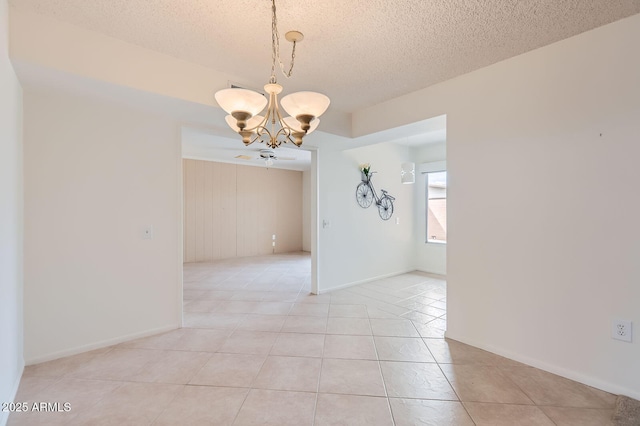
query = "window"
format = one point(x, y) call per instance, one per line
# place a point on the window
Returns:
point(436, 207)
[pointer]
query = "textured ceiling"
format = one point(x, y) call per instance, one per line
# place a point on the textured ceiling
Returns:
point(358, 52)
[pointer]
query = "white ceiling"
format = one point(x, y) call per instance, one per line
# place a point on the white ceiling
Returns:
point(358, 52)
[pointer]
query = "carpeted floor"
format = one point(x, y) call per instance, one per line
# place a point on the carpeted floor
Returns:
point(627, 412)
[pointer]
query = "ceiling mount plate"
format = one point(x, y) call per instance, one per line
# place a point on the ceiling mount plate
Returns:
point(294, 36)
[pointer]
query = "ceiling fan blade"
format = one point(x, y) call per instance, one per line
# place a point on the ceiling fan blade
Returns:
point(286, 158)
point(243, 157)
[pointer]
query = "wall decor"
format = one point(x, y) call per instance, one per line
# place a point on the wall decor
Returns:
point(408, 173)
point(366, 194)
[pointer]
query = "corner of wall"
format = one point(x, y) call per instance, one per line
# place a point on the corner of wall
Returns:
point(11, 222)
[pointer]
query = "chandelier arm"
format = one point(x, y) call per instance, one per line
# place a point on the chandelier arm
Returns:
point(289, 139)
point(256, 127)
point(283, 124)
point(262, 130)
point(284, 132)
point(273, 106)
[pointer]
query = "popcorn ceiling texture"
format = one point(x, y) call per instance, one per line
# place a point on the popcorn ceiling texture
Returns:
point(358, 52)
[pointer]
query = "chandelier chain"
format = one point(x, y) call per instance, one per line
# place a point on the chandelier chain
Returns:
point(275, 47)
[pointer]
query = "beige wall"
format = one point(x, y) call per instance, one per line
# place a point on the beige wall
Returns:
point(96, 174)
point(355, 244)
point(233, 211)
point(306, 211)
point(11, 225)
point(564, 116)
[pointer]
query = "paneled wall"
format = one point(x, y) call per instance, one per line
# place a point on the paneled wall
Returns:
point(233, 211)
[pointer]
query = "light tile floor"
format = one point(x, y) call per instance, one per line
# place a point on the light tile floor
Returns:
point(258, 349)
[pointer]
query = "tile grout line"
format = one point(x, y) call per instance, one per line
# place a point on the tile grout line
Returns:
point(450, 385)
point(315, 406)
point(384, 383)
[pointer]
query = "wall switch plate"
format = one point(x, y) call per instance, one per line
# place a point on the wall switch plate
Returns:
point(621, 330)
point(397, 221)
point(326, 223)
point(273, 237)
point(147, 232)
point(273, 244)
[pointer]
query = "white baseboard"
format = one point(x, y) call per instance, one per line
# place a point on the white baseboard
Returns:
point(366, 280)
point(554, 369)
point(433, 274)
point(4, 416)
point(99, 345)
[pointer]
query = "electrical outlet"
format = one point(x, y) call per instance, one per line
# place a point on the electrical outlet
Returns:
point(621, 330)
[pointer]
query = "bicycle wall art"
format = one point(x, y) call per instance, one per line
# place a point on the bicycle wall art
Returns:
point(366, 194)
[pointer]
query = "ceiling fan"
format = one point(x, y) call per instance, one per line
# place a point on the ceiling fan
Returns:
point(265, 154)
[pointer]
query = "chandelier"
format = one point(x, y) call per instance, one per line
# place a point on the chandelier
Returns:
point(244, 106)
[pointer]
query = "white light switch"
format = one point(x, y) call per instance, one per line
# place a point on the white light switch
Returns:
point(273, 237)
point(147, 232)
point(397, 221)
